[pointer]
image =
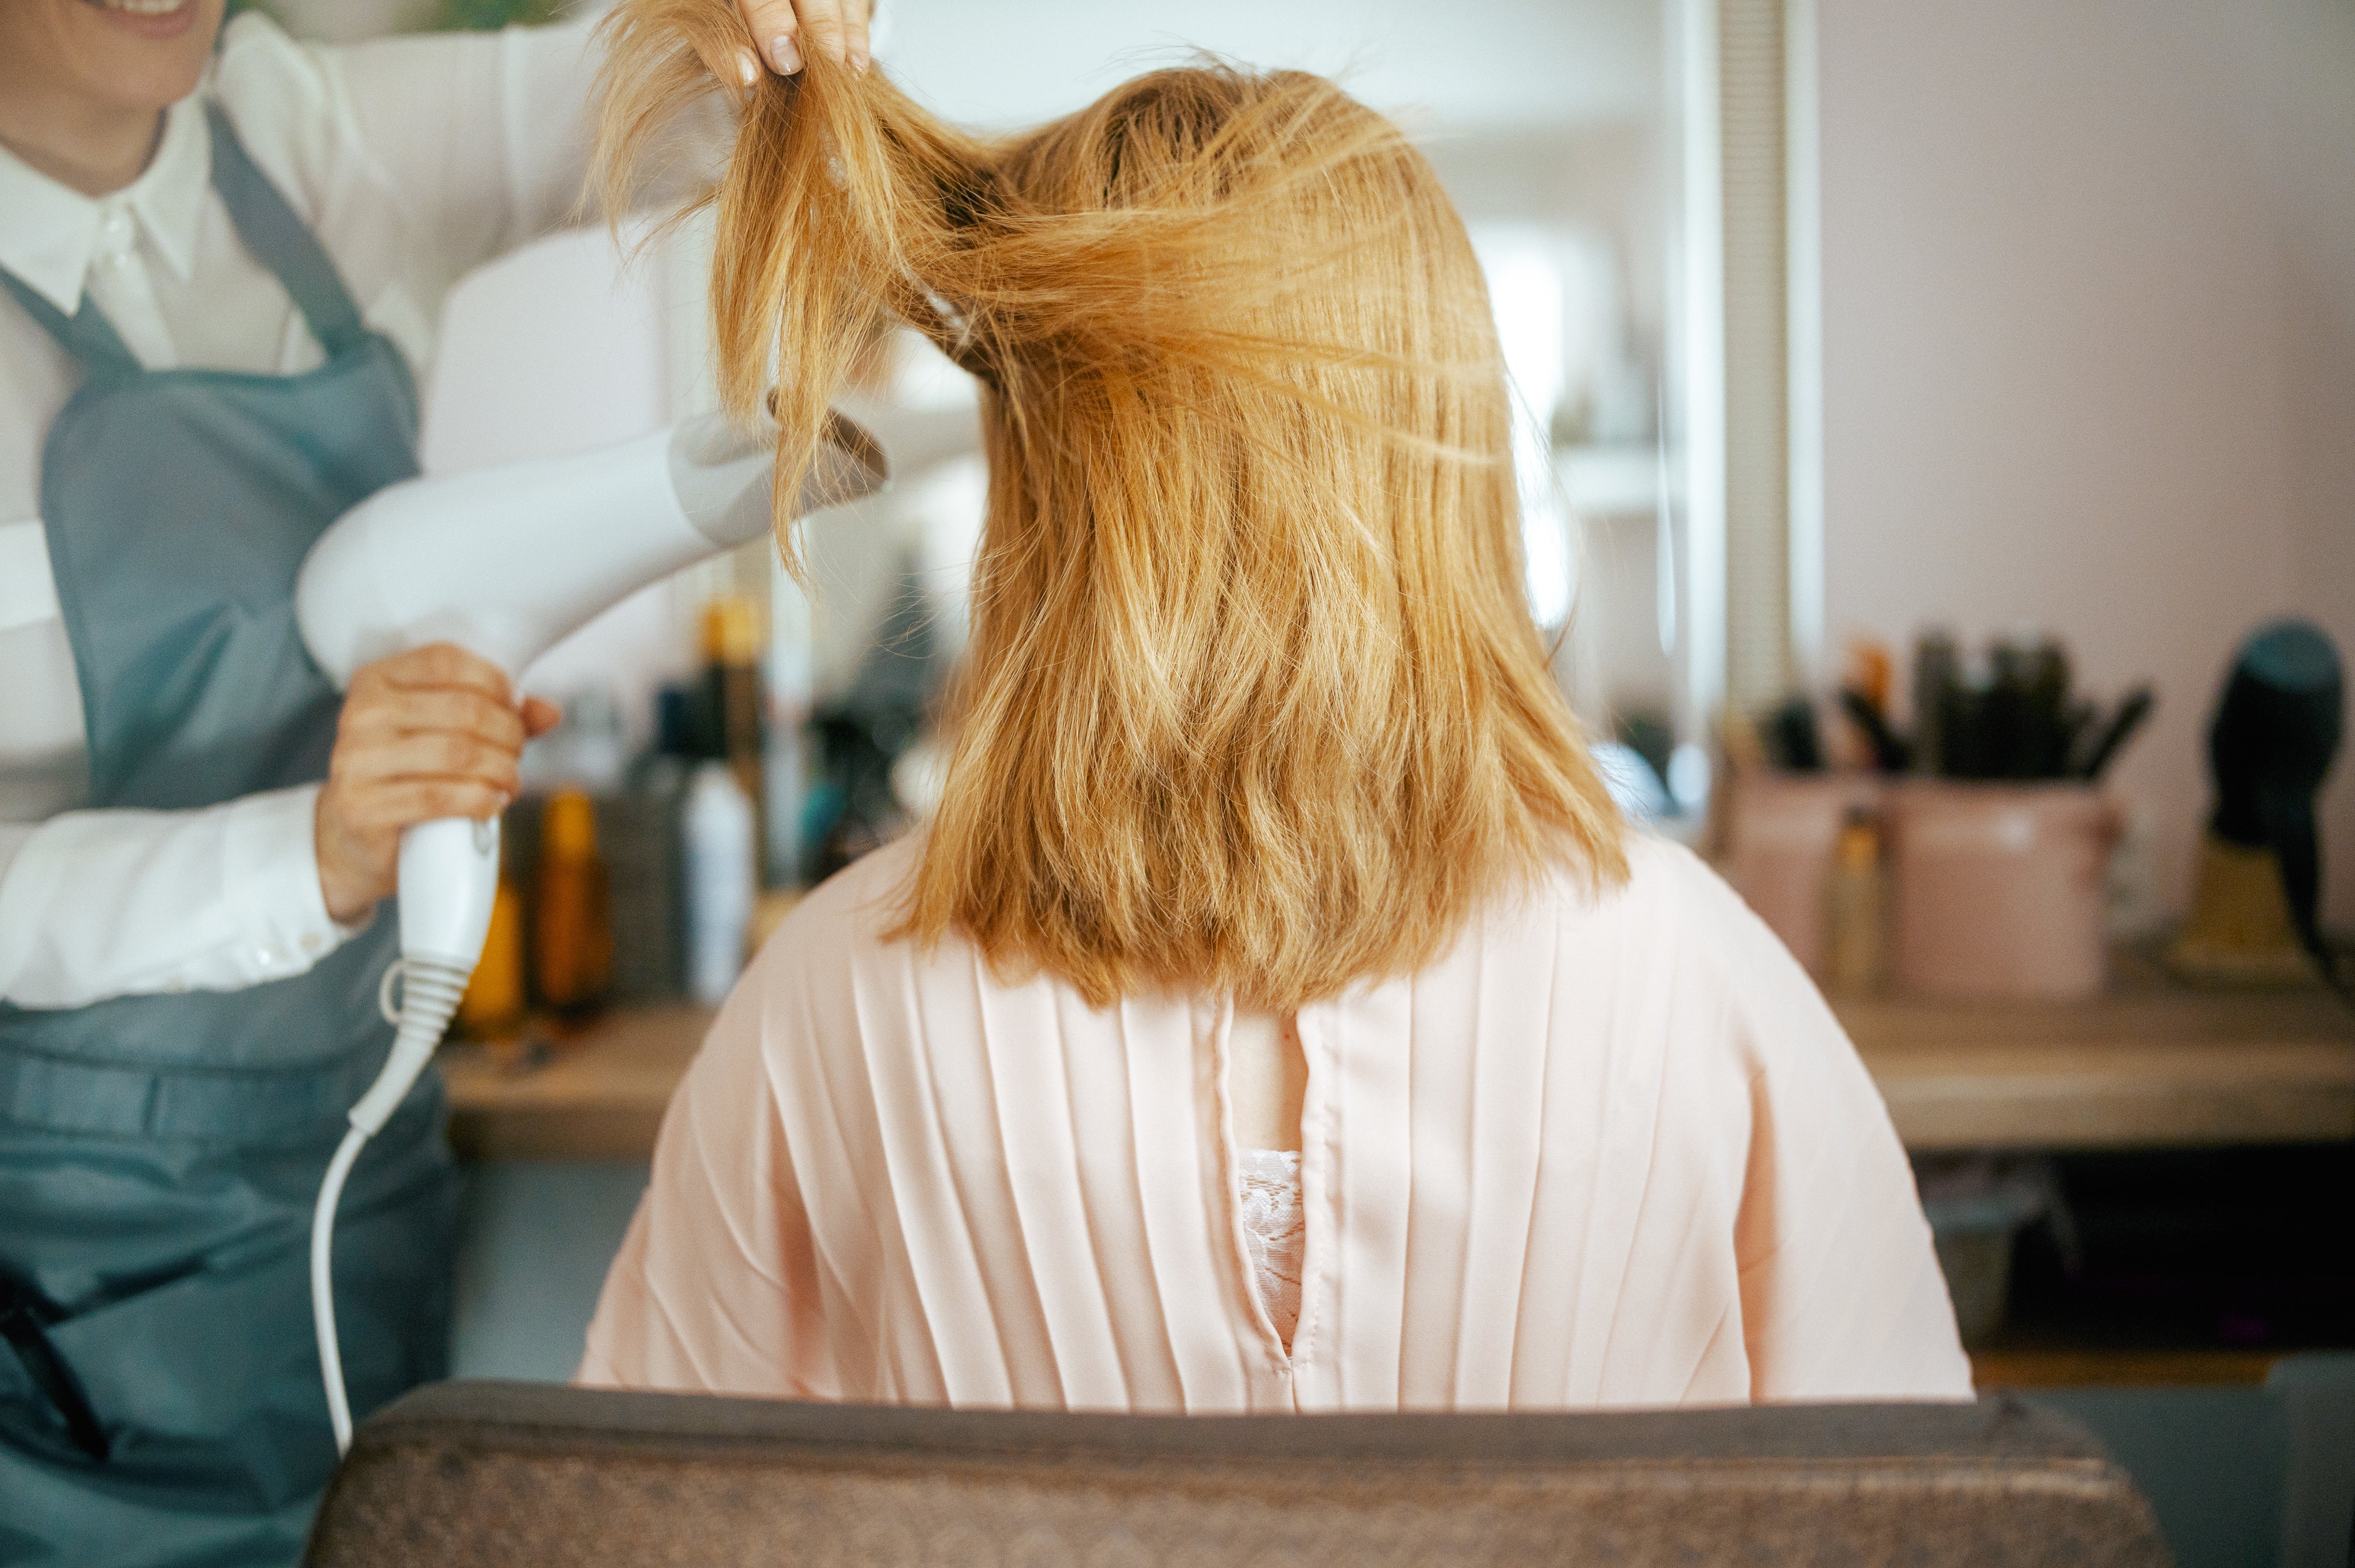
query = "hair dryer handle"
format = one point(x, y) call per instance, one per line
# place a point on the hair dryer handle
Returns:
point(449, 880)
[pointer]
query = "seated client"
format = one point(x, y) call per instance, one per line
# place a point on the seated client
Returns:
point(1274, 1015)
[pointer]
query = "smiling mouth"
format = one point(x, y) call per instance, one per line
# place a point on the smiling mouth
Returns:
point(139, 7)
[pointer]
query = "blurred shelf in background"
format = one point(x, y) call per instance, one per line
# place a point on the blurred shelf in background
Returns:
point(2006, 1365)
point(2152, 1066)
point(598, 1096)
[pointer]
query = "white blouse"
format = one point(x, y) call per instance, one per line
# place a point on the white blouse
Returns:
point(414, 160)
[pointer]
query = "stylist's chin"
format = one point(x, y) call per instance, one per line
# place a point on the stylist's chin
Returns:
point(143, 54)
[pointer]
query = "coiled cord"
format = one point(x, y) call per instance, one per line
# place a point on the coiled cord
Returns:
point(429, 990)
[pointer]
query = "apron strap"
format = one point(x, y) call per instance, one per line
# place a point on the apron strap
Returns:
point(86, 334)
point(283, 242)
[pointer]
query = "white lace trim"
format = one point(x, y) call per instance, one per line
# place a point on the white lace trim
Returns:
point(1274, 1232)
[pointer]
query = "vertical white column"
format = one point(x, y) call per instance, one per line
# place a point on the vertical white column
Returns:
point(1696, 509)
point(1804, 246)
point(1751, 109)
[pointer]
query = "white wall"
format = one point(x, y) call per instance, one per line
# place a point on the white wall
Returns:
point(2089, 343)
point(1484, 64)
point(561, 348)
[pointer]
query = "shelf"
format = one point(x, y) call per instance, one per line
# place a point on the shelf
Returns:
point(598, 1097)
point(2153, 1067)
point(2064, 1366)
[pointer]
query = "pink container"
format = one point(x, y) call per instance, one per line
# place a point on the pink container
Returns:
point(2000, 888)
point(1780, 840)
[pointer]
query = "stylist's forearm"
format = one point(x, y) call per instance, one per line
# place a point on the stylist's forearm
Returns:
point(425, 734)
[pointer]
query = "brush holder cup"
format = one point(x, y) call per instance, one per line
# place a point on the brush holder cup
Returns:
point(2000, 889)
point(1782, 834)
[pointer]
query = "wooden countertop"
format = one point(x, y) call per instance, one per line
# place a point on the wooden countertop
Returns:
point(2149, 1067)
point(2154, 1065)
point(598, 1096)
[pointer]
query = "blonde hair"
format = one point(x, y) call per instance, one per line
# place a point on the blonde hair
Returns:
point(1254, 700)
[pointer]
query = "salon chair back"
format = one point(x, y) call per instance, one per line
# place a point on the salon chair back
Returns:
point(520, 1475)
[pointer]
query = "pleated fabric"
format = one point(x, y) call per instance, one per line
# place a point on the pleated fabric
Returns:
point(1610, 1150)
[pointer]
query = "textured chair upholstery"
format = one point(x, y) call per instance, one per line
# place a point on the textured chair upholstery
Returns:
point(523, 1474)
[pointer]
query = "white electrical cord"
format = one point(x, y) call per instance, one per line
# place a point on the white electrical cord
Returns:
point(430, 991)
point(322, 1286)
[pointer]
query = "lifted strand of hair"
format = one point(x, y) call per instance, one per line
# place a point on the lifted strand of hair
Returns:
point(1253, 703)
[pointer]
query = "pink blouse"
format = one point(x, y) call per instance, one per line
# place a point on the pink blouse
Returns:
point(1607, 1150)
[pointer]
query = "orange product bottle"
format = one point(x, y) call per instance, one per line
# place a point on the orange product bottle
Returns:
point(492, 1007)
point(573, 924)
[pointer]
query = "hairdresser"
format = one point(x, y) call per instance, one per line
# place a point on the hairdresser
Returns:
point(222, 257)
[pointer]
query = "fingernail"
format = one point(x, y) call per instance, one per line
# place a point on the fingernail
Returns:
point(747, 69)
point(859, 62)
point(783, 55)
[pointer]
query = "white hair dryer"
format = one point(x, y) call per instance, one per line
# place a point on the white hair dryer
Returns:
point(505, 563)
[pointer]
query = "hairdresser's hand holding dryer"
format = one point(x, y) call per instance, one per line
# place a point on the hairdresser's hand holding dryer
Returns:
point(222, 257)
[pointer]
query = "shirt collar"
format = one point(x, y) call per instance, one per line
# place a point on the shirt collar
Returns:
point(48, 232)
point(169, 194)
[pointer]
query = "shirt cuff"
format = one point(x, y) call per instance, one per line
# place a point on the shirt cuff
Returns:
point(271, 874)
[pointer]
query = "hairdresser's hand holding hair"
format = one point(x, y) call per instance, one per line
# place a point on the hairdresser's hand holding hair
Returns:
point(787, 31)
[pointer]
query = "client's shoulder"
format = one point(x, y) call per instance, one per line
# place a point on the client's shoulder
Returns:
point(1673, 940)
point(847, 916)
point(1665, 891)
point(1669, 910)
point(818, 974)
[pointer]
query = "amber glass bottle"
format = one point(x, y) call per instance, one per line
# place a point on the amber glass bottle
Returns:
point(492, 1007)
point(573, 926)
point(731, 654)
point(1857, 898)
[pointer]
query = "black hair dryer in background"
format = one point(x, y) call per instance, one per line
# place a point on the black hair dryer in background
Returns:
point(2255, 918)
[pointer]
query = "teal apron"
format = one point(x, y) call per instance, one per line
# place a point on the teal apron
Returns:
point(159, 1155)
